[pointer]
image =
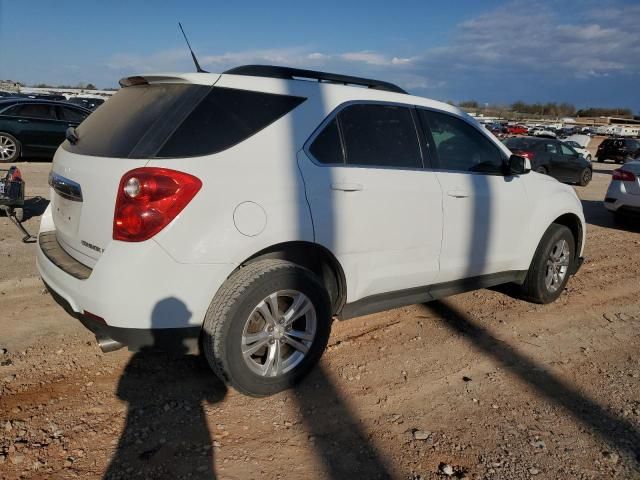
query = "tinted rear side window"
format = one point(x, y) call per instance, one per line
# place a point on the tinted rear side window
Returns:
point(380, 136)
point(176, 120)
point(225, 118)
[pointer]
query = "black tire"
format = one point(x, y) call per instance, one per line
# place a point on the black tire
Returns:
point(534, 287)
point(14, 154)
point(232, 307)
point(585, 177)
point(541, 170)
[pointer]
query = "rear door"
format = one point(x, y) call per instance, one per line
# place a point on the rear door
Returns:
point(67, 117)
point(372, 202)
point(37, 126)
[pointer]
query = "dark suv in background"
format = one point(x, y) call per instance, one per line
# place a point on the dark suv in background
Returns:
point(552, 157)
point(35, 128)
point(620, 150)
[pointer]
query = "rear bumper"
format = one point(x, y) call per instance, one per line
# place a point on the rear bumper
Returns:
point(145, 297)
point(618, 199)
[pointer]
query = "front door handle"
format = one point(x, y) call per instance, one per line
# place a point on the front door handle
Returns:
point(347, 187)
point(458, 193)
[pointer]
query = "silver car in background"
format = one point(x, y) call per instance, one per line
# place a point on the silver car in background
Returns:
point(623, 195)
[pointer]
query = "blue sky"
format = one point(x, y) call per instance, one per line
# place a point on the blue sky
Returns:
point(585, 52)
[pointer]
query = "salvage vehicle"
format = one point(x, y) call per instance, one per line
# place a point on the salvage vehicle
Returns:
point(239, 213)
point(553, 157)
point(35, 128)
point(623, 194)
point(579, 142)
point(620, 150)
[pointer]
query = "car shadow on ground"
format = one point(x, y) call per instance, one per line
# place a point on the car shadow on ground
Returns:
point(596, 214)
point(602, 170)
point(617, 432)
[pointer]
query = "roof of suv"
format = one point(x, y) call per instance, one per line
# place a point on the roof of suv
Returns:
point(291, 81)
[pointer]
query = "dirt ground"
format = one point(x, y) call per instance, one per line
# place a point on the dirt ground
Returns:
point(480, 385)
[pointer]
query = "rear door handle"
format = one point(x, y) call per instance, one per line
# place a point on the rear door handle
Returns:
point(347, 187)
point(458, 193)
point(22, 120)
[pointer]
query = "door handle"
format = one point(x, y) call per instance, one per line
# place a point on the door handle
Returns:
point(347, 187)
point(458, 193)
point(23, 120)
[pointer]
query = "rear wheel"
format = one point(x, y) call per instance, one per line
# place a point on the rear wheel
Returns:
point(267, 327)
point(541, 170)
point(551, 265)
point(9, 148)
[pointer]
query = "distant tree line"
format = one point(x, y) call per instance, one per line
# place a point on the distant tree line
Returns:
point(83, 86)
point(553, 109)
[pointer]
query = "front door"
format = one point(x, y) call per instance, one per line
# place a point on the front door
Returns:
point(372, 203)
point(484, 211)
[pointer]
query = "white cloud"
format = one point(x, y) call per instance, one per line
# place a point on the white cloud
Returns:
point(505, 44)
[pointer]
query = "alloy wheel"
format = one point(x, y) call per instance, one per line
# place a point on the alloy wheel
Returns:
point(557, 265)
point(7, 148)
point(278, 333)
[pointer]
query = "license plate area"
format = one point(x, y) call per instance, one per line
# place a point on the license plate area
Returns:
point(66, 215)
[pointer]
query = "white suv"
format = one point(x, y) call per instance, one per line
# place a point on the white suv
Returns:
point(241, 212)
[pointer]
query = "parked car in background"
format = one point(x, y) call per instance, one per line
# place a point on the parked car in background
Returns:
point(579, 142)
point(553, 157)
point(544, 132)
point(584, 153)
point(517, 129)
point(310, 200)
point(623, 194)
point(89, 103)
point(619, 150)
point(35, 128)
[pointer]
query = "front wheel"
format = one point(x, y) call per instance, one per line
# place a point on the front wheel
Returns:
point(267, 326)
point(585, 177)
point(551, 265)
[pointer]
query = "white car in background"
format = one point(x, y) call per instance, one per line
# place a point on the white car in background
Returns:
point(623, 194)
point(579, 143)
point(244, 211)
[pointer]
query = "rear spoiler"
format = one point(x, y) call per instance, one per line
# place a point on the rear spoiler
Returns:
point(194, 78)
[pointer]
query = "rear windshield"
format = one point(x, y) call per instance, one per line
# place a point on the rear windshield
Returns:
point(177, 120)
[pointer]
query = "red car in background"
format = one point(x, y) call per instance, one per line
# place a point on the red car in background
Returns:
point(517, 129)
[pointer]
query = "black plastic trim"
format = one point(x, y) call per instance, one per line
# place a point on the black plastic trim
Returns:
point(287, 73)
point(411, 296)
point(60, 258)
point(174, 340)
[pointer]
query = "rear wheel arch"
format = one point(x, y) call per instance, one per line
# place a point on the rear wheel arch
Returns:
point(316, 258)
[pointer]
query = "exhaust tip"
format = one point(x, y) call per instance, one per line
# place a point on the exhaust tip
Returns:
point(108, 344)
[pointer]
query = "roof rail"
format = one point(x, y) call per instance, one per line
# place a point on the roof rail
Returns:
point(287, 73)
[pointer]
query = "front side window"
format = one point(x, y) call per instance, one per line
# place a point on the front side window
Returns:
point(327, 147)
point(377, 135)
point(460, 146)
point(566, 150)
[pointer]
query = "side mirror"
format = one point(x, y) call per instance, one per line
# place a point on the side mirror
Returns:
point(518, 165)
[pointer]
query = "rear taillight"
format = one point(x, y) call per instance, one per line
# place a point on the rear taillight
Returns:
point(149, 199)
point(623, 175)
point(527, 154)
